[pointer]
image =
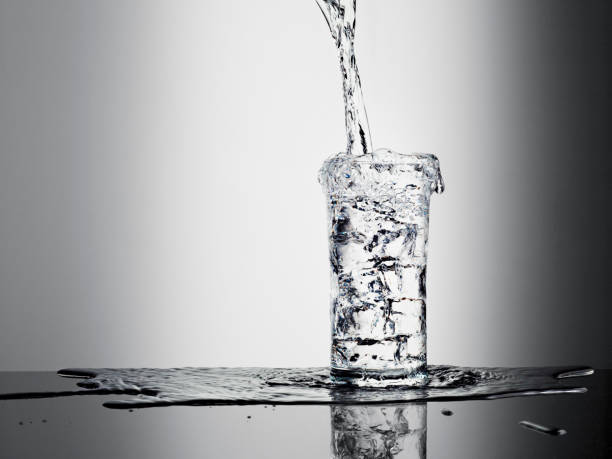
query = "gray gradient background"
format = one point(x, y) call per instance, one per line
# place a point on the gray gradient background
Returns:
point(158, 162)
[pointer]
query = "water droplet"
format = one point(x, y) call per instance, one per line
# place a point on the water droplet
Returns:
point(553, 431)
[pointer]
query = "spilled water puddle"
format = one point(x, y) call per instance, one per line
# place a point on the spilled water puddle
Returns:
point(148, 387)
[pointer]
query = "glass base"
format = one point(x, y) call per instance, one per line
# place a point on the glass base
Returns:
point(379, 378)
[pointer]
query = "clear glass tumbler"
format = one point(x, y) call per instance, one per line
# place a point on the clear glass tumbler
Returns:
point(378, 207)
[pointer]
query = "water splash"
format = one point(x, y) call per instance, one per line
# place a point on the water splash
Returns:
point(299, 386)
point(340, 16)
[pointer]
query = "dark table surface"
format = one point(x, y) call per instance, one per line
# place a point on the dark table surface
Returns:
point(79, 426)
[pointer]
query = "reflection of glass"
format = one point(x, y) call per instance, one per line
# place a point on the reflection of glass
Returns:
point(380, 432)
point(378, 225)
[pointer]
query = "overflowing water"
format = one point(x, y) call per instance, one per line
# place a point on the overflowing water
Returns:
point(378, 208)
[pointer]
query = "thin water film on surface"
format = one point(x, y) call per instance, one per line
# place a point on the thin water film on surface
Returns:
point(149, 387)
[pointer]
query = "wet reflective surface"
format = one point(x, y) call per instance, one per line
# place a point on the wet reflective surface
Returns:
point(81, 427)
point(150, 387)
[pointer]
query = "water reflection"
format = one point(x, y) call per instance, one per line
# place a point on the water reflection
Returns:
point(379, 431)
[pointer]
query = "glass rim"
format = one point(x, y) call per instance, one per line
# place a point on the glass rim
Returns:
point(407, 159)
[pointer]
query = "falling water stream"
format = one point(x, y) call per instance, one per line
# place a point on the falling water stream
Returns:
point(340, 16)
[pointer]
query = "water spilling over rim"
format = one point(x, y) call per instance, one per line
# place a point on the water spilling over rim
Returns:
point(380, 172)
